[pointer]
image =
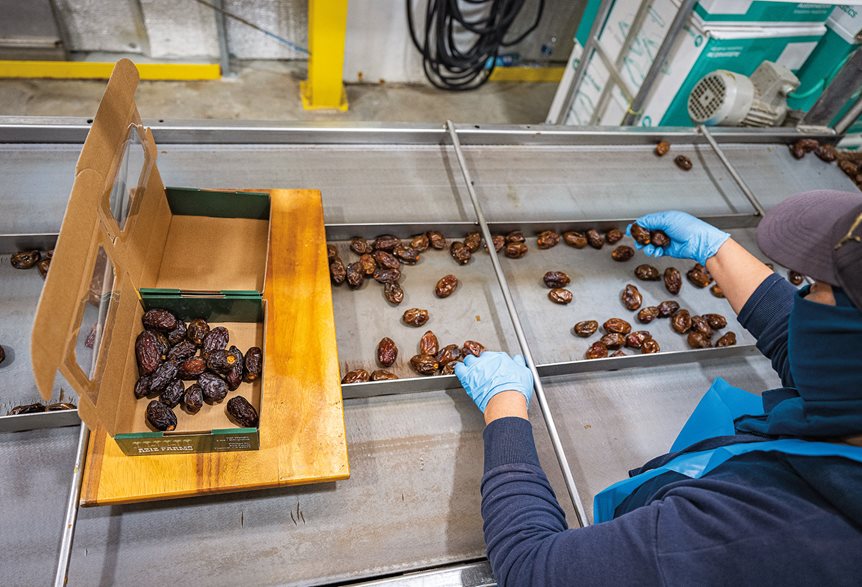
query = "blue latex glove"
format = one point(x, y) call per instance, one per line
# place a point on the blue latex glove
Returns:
point(691, 238)
point(491, 373)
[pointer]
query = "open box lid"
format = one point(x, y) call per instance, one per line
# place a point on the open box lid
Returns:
point(110, 242)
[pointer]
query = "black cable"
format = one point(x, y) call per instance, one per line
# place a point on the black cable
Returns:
point(446, 65)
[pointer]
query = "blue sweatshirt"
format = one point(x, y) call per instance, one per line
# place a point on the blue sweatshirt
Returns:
point(758, 519)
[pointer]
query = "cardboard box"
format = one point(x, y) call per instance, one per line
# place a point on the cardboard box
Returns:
point(128, 244)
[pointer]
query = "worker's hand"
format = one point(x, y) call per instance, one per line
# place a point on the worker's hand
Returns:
point(491, 373)
point(691, 238)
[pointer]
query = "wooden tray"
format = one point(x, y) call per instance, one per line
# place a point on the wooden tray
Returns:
point(302, 417)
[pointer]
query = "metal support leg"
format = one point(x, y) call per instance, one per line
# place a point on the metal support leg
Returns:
point(676, 26)
point(752, 199)
point(519, 332)
point(843, 86)
point(221, 29)
point(62, 576)
point(327, 29)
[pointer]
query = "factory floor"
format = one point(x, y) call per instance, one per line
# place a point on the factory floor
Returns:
point(269, 90)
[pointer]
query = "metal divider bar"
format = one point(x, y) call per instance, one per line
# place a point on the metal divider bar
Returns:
point(519, 332)
point(755, 203)
point(68, 535)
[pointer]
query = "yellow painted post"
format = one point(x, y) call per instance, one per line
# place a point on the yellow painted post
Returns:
point(327, 28)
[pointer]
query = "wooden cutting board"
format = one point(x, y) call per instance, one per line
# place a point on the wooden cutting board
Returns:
point(302, 436)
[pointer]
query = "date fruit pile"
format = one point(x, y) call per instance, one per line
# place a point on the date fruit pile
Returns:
point(850, 162)
point(170, 352)
point(34, 258)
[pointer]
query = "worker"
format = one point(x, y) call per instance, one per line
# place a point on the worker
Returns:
point(755, 490)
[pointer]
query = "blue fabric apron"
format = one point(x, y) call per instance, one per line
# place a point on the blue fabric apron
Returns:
point(712, 417)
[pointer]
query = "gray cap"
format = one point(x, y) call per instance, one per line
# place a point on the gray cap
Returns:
point(798, 232)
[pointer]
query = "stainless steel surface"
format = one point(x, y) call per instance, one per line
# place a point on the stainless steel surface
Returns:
point(733, 173)
point(39, 420)
point(67, 536)
point(221, 31)
point(586, 56)
point(676, 26)
point(519, 331)
point(850, 117)
point(843, 86)
point(476, 574)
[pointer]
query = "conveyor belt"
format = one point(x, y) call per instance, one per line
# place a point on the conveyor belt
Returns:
point(412, 501)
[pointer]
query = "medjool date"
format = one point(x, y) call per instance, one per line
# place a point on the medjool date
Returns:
point(622, 253)
point(386, 260)
point(617, 353)
point(382, 375)
point(162, 340)
point(242, 412)
point(586, 328)
point(516, 236)
point(356, 376)
point(594, 239)
point(197, 330)
point(826, 153)
point(635, 340)
point(192, 368)
point(667, 308)
point(558, 295)
point(161, 417)
point(802, 146)
point(359, 245)
point(460, 252)
point(331, 252)
point(631, 297)
point(221, 361)
point(178, 334)
point(386, 242)
point(672, 280)
point(547, 239)
point(613, 235)
point(355, 275)
point(727, 339)
point(193, 398)
point(393, 293)
point(407, 255)
point(658, 238)
point(142, 386)
point(159, 319)
point(164, 374)
point(234, 375)
point(698, 340)
point(716, 291)
point(182, 351)
point(554, 279)
point(415, 317)
point(848, 167)
point(575, 239)
point(424, 364)
point(437, 240)
point(387, 352)
point(647, 315)
point(698, 276)
point(683, 162)
point(337, 271)
point(252, 364)
point(33, 408)
point(795, 278)
point(367, 263)
point(449, 354)
point(446, 286)
point(640, 234)
point(420, 243)
point(60, 406)
point(473, 241)
point(471, 347)
point(43, 267)
point(172, 393)
point(148, 352)
point(215, 340)
point(213, 387)
point(617, 325)
point(499, 242)
point(699, 324)
point(448, 368)
point(25, 259)
point(650, 346)
point(613, 340)
point(662, 148)
point(428, 344)
point(515, 250)
point(647, 272)
point(386, 275)
point(681, 321)
point(597, 350)
point(716, 321)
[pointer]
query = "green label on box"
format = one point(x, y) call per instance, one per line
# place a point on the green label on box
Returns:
point(228, 306)
point(158, 443)
point(197, 202)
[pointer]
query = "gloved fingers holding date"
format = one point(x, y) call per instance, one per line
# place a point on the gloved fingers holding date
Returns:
point(676, 234)
point(491, 373)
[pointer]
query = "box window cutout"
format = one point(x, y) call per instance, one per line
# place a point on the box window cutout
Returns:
point(94, 323)
point(131, 178)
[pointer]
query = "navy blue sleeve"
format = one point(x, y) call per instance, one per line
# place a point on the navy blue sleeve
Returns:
point(765, 315)
point(525, 528)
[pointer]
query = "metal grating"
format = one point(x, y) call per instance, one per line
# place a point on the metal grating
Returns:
point(706, 98)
